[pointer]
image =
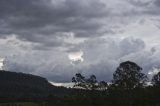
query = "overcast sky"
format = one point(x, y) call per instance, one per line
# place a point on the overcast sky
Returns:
point(58, 38)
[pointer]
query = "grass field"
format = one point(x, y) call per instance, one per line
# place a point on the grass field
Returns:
point(22, 104)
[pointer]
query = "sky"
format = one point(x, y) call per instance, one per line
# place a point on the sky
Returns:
point(56, 39)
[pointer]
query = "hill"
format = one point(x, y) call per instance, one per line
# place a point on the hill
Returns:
point(26, 87)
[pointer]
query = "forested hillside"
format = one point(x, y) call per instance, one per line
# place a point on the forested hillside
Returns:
point(26, 87)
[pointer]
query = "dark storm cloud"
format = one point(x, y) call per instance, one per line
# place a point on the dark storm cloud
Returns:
point(157, 3)
point(141, 3)
point(146, 7)
point(39, 20)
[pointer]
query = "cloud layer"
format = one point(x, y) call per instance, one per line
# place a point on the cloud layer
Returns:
point(38, 36)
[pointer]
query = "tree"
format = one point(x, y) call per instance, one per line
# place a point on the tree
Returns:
point(128, 76)
point(91, 82)
point(102, 85)
point(156, 79)
point(79, 81)
point(86, 83)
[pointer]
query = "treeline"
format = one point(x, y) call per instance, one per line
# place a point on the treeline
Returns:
point(129, 87)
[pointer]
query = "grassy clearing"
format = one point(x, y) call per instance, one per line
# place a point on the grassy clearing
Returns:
point(21, 104)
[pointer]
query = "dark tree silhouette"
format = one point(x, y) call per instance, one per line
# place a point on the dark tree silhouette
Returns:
point(79, 81)
point(128, 76)
point(91, 82)
point(86, 83)
point(78, 78)
point(103, 85)
point(156, 79)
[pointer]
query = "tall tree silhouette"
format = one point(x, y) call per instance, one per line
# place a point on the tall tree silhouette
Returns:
point(128, 76)
point(156, 79)
point(79, 81)
point(91, 82)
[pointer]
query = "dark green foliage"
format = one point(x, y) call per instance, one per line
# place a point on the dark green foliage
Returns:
point(148, 96)
point(92, 82)
point(23, 86)
point(86, 83)
point(78, 78)
point(79, 81)
point(156, 79)
point(102, 85)
point(128, 76)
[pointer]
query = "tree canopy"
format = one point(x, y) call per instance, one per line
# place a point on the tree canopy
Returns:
point(128, 76)
point(90, 83)
point(156, 79)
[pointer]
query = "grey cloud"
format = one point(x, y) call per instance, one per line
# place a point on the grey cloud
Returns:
point(157, 3)
point(146, 59)
point(40, 21)
point(153, 8)
point(36, 21)
point(141, 3)
point(101, 57)
point(34, 34)
point(112, 48)
point(147, 8)
point(130, 45)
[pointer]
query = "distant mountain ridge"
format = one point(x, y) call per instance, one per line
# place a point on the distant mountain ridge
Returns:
point(20, 86)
